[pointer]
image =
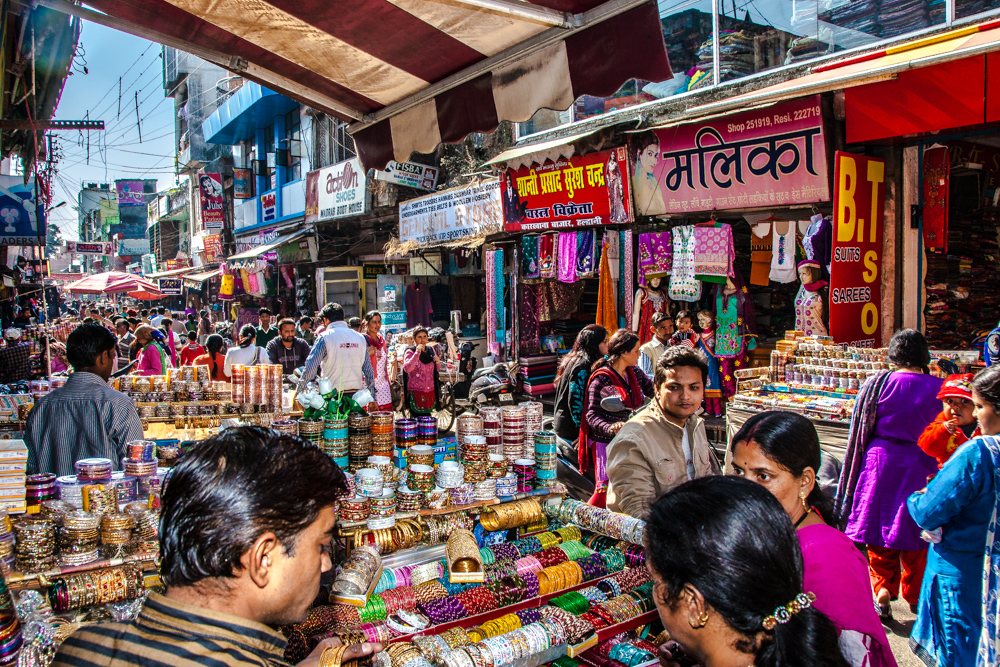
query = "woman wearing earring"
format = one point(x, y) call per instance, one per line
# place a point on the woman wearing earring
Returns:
point(780, 451)
point(727, 580)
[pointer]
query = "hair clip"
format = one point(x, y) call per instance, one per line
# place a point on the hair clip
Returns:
point(784, 614)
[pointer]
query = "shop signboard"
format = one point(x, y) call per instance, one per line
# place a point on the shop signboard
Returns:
point(18, 213)
point(856, 268)
point(269, 206)
point(213, 248)
point(340, 190)
point(210, 191)
point(130, 193)
point(94, 248)
point(133, 246)
point(773, 156)
point(312, 197)
point(394, 321)
point(451, 215)
point(170, 286)
point(409, 174)
point(582, 191)
point(243, 183)
point(293, 252)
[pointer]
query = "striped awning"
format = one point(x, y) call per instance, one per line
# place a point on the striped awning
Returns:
point(410, 74)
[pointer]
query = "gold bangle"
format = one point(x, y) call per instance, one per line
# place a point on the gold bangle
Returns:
point(332, 657)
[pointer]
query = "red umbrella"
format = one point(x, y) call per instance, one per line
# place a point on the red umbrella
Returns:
point(98, 283)
point(146, 295)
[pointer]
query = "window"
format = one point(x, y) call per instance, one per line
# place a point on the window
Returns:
point(293, 142)
point(269, 152)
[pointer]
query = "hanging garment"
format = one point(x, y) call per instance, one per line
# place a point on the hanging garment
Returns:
point(809, 312)
point(528, 320)
point(547, 255)
point(567, 257)
point(417, 301)
point(627, 274)
point(783, 254)
point(651, 301)
point(937, 173)
point(713, 253)
point(529, 256)
point(656, 254)
point(586, 254)
point(499, 304)
point(760, 253)
point(683, 284)
point(817, 242)
point(606, 316)
point(713, 387)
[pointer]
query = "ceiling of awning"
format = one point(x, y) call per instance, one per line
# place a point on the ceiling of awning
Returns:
point(410, 73)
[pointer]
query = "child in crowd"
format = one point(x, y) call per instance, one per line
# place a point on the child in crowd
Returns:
point(956, 424)
point(684, 334)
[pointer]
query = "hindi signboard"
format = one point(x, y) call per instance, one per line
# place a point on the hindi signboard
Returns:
point(341, 190)
point(856, 267)
point(94, 248)
point(133, 246)
point(467, 211)
point(210, 191)
point(130, 193)
point(170, 286)
point(213, 248)
point(409, 174)
point(243, 183)
point(774, 156)
point(269, 206)
point(584, 190)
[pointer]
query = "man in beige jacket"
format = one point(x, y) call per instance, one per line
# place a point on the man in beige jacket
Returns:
point(665, 444)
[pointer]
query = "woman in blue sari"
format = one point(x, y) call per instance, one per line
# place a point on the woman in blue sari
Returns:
point(957, 513)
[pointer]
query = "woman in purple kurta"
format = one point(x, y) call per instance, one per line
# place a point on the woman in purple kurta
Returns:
point(893, 468)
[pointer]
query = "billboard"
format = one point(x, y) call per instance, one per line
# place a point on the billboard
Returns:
point(19, 223)
point(130, 193)
point(210, 194)
point(340, 190)
point(452, 214)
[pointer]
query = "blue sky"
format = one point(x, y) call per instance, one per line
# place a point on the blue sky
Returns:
point(116, 153)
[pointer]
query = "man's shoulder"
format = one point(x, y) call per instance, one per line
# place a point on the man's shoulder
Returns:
point(101, 644)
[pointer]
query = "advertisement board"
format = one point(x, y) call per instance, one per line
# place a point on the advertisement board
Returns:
point(452, 214)
point(773, 156)
point(171, 286)
point(133, 246)
point(210, 193)
point(19, 224)
point(409, 174)
point(312, 197)
point(93, 248)
point(213, 248)
point(130, 193)
point(340, 190)
point(394, 321)
point(243, 183)
point(269, 206)
point(583, 191)
point(856, 268)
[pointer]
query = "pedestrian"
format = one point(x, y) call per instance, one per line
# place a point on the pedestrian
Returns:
point(191, 323)
point(246, 352)
point(152, 358)
point(727, 580)
point(590, 345)
point(617, 373)
point(85, 418)
point(662, 328)
point(665, 444)
point(204, 326)
point(125, 340)
point(244, 529)
point(957, 511)
point(192, 350)
point(883, 465)
point(354, 324)
point(305, 330)
point(378, 356)
point(266, 332)
point(421, 380)
point(214, 359)
point(15, 358)
point(157, 317)
point(780, 451)
point(170, 338)
point(339, 355)
point(287, 349)
point(957, 422)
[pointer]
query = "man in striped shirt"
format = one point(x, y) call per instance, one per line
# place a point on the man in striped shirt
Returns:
point(245, 533)
point(85, 418)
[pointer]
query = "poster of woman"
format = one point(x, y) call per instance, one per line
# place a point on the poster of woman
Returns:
point(645, 149)
point(210, 187)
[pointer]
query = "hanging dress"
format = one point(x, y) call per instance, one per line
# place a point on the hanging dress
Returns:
point(713, 386)
point(809, 312)
point(650, 302)
point(783, 255)
point(683, 284)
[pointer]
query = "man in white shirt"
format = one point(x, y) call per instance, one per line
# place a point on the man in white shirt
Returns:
point(662, 328)
point(339, 355)
point(154, 321)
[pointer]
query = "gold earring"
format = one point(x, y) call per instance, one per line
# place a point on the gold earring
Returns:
point(802, 497)
point(701, 622)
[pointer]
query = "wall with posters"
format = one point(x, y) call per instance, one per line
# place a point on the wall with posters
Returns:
point(856, 269)
point(584, 190)
point(773, 156)
point(449, 215)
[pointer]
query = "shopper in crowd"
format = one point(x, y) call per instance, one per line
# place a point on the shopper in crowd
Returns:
point(204, 326)
point(152, 357)
point(339, 355)
point(305, 330)
point(378, 356)
point(266, 332)
point(191, 323)
point(246, 352)
point(170, 339)
point(214, 358)
point(619, 373)
point(957, 422)
point(590, 345)
point(178, 324)
point(780, 451)
point(15, 358)
point(420, 368)
point(354, 324)
point(883, 465)
point(245, 530)
point(662, 328)
point(125, 340)
point(192, 350)
point(956, 512)
point(144, 316)
point(157, 317)
point(58, 363)
point(85, 418)
point(665, 444)
point(287, 349)
point(727, 580)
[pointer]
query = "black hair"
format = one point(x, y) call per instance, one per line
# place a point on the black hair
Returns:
point(987, 385)
point(333, 312)
point(121, 321)
point(354, 322)
point(732, 541)
point(621, 342)
point(371, 315)
point(214, 344)
point(86, 342)
point(192, 336)
point(791, 441)
point(248, 334)
point(89, 320)
point(658, 318)
point(191, 317)
point(418, 330)
point(263, 311)
point(679, 356)
point(303, 320)
point(284, 321)
point(641, 141)
point(684, 315)
point(160, 310)
point(133, 321)
point(908, 349)
point(586, 350)
point(233, 487)
point(203, 312)
point(166, 323)
point(144, 312)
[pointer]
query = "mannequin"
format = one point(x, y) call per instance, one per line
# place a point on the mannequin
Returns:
point(736, 330)
point(649, 299)
point(706, 343)
point(810, 302)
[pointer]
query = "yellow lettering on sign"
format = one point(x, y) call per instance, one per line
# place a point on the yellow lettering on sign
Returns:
point(595, 174)
point(551, 182)
point(876, 176)
point(574, 179)
point(869, 318)
point(528, 185)
point(871, 267)
point(846, 208)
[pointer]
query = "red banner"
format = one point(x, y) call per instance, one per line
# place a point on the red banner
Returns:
point(856, 270)
point(583, 191)
point(937, 167)
point(210, 187)
point(213, 247)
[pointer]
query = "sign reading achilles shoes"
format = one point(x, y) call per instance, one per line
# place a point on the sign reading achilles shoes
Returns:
point(340, 190)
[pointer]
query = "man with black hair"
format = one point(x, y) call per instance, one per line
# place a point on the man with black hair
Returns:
point(155, 320)
point(662, 328)
point(246, 524)
point(123, 329)
point(340, 355)
point(85, 418)
point(287, 350)
point(304, 330)
point(665, 444)
point(265, 332)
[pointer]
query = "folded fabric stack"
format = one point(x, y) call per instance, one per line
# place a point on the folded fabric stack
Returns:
point(861, 16)
point(901, 16)
point(736, 58)
point(936, 11)
point(806, 48)
point(539, 373)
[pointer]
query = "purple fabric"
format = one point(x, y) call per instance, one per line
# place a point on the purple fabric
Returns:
point(418, 305)
point(567, 257)
point(894, 466)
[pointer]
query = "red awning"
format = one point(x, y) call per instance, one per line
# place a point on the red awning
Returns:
point(410, 73)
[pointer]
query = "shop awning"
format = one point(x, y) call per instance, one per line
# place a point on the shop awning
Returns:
point(254, 253)
point(410, 73)
point(196, 279)
point(169, 274)
point(540, 153)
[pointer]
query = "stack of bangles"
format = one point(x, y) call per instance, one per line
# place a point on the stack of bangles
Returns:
point(406, 621)
point(559, 577)
point(405, 653)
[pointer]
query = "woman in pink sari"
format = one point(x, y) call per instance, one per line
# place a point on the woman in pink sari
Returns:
point(780, 451)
